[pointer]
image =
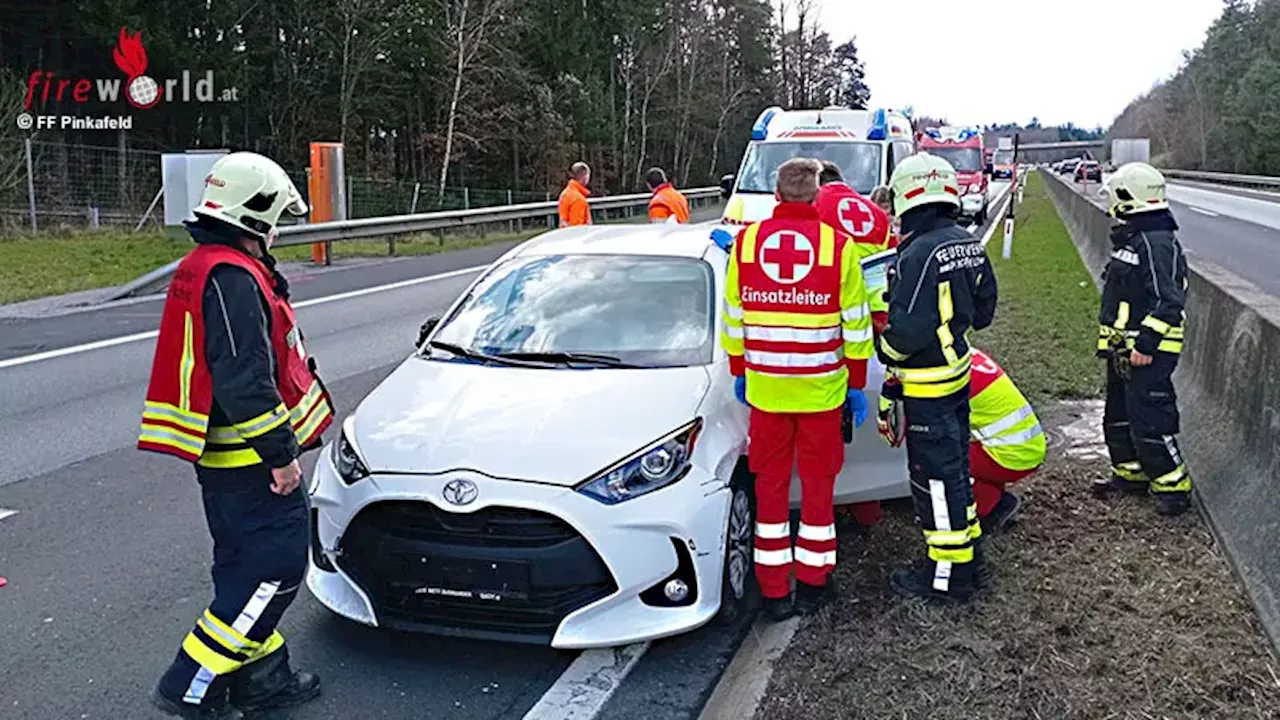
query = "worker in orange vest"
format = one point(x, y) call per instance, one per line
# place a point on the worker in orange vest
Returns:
point(668, 204)
point(574, 209)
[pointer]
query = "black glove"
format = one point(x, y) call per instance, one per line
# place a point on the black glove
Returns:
point(891, 389)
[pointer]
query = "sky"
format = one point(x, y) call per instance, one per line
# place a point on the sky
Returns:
point(988, 61)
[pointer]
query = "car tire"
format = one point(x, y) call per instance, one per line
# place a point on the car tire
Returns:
point(981, 218)
point(739, 593)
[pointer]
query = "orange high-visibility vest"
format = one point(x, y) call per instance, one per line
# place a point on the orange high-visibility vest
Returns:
point(666, 203)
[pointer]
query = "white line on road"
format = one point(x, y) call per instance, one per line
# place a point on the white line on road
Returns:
point(5, 513)
point(587, 684)
point(1202, 211)
point(136, 337)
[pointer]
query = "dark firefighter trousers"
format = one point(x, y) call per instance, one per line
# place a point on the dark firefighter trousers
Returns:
point(1140, 424)
point(938, 460)
point(260, 543)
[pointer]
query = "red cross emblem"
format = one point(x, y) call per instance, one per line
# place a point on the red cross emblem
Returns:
point(787, 257)
point(856, 217)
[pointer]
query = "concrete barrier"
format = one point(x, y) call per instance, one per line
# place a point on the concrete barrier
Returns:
point(1228, 382)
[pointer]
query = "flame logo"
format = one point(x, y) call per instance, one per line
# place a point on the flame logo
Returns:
point(129, 54)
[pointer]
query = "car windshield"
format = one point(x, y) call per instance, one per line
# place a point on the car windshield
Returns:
point(962, 159)
point(1003, 157)
point(647, 311)
point(860, 162)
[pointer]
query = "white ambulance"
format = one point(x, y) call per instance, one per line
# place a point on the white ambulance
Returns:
point(866, 144)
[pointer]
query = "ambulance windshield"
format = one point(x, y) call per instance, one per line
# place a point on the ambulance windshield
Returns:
point(859, 161)
point(965, 160)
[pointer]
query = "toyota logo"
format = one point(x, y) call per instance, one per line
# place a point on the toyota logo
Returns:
point(460, 492)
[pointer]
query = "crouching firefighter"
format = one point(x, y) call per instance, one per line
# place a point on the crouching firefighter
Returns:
point(941, 287)
point(233, 391)
point(798, 335)
point(1141, 335)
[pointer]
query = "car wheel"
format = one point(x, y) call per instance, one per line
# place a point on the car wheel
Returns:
point(739, 594)
point(981, 218)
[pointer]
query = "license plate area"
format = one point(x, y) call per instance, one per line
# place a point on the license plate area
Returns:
point(451, 578)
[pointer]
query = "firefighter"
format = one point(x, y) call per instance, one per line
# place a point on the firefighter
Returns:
point(233, 391)
point(798, 335)
point(667, 204)
point(1141, 334)
point(843, 208)
point(942, 286)
point(1006, 441)
point(574, 209)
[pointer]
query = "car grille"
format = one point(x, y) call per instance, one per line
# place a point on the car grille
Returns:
point(565, 571)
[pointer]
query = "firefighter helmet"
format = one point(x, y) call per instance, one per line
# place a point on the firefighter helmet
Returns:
point(249, 192)
point(924, 179)
point(1136, 188)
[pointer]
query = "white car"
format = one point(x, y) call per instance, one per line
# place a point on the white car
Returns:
point(562, 460)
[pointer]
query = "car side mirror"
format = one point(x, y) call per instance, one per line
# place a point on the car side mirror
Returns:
point(726, 186)
point(425, 330)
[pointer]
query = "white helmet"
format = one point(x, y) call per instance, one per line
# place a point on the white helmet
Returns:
point(250, 192)
point(923, 179)
point(1136, 187)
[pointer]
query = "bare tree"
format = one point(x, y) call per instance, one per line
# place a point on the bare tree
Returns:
point(359, 38)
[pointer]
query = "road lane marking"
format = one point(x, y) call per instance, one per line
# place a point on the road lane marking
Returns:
point(587, 684)
point(6, 513)
point(152, 334)
point(1202, 211)
point(743, 684)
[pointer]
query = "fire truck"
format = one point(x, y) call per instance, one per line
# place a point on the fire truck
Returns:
point(866, 144)
point(962, 147)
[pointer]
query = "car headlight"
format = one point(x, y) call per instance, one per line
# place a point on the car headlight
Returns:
point(654, 467)
point(345, 458)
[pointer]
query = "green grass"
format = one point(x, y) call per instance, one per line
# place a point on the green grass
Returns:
point(1046, 323)
point(34, 267)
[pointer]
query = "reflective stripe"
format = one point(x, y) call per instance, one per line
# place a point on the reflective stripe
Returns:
point(748, 254)
point(249, 613)
point(933, 374)
point(1176, 480)
point(223, 638)
point(951, 555)
point(817, 533)
point(946, 311)
point(807, 376)
point(1170, 346)
point(856, 313)
point(188, 364)
point(946, 537)
point(264, 423)
point(786, 319)
point(1015, 438)
point(773, 558)
point(1156, 324)
point(1131, 471)
point(794, 359)
point(1122, 316)
point(889, 350)
point(229, 458)
point(815, 559)
point(734, 331)
point(773, 531)
point(171, 413)
point(305, 433)
point(938, 499)
point(208, 658)
point(935, 390)
point(792, 335)
point(211, 621)
point(733, 312)
point(826, 246)
point(942, 576)
point(1004, 423)
point(221, 435)
point(170, 437)
point(857, 336)
point(303, 408)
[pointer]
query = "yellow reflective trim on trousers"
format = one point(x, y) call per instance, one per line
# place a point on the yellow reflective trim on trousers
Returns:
point(1176, 480)
point(1131, 471)
point(946, 537)
point(955, 555)
point(270, 645)
point(222, 459)
point(164, 435)
point(219, 636)
point(768, 318)
point(188, 364)
point(264, 423)
point(946, 311)
point(1122, 316)
point(239, 637)
point(1156, 324)
point(748, 253)
point(826, 246)
point(209, 659)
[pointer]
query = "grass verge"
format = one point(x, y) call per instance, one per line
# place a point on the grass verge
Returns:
point(1046, 323)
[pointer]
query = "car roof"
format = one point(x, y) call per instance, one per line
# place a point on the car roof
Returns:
point(657, 239)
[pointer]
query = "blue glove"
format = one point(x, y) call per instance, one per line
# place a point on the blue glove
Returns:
point(722, 239)
point(740, 389)
point(857, 402)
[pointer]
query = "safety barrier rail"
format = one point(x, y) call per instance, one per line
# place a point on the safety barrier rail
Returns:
point(1260, 181)
point(393, 225)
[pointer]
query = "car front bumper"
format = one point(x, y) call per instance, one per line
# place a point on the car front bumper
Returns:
point(585, 583)
point(972, 204)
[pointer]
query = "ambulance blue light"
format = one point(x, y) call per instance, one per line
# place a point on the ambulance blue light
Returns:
point(879, 126)
point(761, 129)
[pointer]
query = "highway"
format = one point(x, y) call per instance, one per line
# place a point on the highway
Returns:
point(106, 552)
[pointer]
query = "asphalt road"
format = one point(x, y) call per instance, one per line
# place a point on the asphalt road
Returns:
point(106, 557)
point(1236, 228)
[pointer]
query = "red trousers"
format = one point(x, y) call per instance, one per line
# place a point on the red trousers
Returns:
point(813, 444)
point(989, 479)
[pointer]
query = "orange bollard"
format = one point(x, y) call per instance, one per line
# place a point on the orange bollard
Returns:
point(320, 191)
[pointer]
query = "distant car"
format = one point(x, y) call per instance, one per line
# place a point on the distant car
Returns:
point(1069, 166)
point(1088, 171)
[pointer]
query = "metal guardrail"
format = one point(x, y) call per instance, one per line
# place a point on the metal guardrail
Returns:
point(1264, 181)
point(392, 225)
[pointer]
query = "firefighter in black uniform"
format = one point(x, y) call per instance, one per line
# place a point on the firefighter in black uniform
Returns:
point(1141, 334)
point(233, 391)
point(942, 286)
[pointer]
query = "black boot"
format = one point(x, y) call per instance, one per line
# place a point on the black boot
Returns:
point(778, 609)
point(217, 709)
point(918, 583)
point(270, 684)
point(1172, 503)
point(1115, 483)
point(809, 598)
point(1004, 512)
point(981, 571)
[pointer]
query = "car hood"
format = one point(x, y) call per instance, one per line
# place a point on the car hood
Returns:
point(546, 425)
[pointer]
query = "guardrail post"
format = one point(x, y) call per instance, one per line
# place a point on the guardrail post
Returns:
point(31, 187)
point(511, 224)
point(466, 198)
